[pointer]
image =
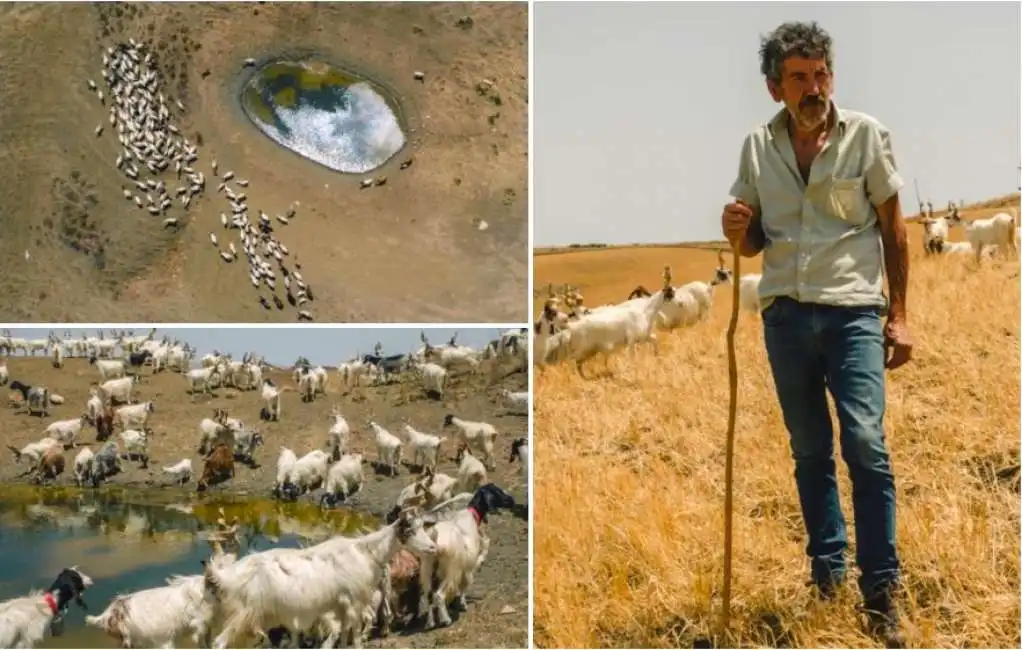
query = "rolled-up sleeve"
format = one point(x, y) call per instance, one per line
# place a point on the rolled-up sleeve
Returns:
point(744, 187)
point(882, 178)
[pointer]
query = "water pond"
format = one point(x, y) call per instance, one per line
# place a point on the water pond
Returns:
point(324, 114)
point(131, 539)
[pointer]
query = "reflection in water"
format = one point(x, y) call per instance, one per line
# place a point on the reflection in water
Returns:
point(325, 115)
point(130, 539)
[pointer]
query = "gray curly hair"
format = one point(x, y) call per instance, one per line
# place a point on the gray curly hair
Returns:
point(807, 40)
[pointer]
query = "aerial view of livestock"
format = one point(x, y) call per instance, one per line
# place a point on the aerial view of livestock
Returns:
point(264, 487)
point(776, 326)
point(264, 162)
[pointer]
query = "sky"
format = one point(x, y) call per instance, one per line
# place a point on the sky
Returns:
point(283, 346)
point(640, 109)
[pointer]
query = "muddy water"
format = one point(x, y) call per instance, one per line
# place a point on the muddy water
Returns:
point(131, 539)
point(324, 114)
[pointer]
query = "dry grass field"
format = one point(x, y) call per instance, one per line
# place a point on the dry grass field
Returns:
point(409, 250)
point(629, 472)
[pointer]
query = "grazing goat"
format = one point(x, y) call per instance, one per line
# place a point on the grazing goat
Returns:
point(337, 437)
point(461, 550)
point(388, 448)
point(997, 230)
point(108, 368)
point(748, 292)
point(307, 473)
point(480, 435)
point(25, 620)
point(297, 587)
point(520, 450)
point(691, 302)
point(471, 472)
point(50, 466)
point(156, 617)
point(34, 451)
point(105, 464)
point(219, 466)
point(135, 415)
point(83, 467)
point(181, 471)
point(425, 447)
point(136, 443)
point(285, 462)
point(66, 431)
point(343, 480)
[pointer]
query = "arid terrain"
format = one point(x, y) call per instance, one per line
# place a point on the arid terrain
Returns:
point(498, 600)
point(74, 250)
point(637, 458)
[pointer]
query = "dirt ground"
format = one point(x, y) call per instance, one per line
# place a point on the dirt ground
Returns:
point(409, 250)
point(498, 600)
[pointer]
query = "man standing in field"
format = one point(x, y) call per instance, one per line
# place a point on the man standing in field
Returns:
point(817, 194)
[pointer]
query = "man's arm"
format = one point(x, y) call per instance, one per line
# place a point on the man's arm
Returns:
point(744, 190)
point(882, 185)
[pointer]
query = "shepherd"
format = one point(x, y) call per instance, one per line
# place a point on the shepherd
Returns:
point(817, 194)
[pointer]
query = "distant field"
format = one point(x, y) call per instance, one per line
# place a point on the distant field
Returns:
point(637, 459)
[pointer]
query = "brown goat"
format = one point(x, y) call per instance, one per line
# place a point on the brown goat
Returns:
point(105, 423)
point(219, 466)
point(50, 466)
point(404, 591)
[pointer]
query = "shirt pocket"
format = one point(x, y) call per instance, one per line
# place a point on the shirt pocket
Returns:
point(847, 200)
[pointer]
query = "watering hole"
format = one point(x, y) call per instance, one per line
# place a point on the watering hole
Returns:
point(130, 539)
point(331, 117)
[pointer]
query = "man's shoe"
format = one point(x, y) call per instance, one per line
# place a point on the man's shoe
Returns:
point(826, 589)
point(882, 620)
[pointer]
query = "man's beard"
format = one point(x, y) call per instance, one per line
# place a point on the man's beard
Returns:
point(811, 115)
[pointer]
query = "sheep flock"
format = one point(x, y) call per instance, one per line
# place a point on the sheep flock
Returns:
point(433, 442)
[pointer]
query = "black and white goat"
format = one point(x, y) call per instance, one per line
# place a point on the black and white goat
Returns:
point(25, 620)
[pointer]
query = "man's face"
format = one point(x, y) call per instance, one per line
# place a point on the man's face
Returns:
point(805, 88)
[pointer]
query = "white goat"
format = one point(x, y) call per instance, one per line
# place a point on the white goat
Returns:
point(343, 480)
point(434, 378)
point(135, 415)
point(748, 292)
point(157, 617)
point(285, 462)
point(307, 473)
point(116, 390)
point(24, 621)
point(83, 466)
point(181, 470)
point(337, 437)
point(388, 448)
point(137, 443)
point(471, 473)
point(271, 398)
point(517, 401)
point(425, 447)
point(691, 302)
point(204, 378)
point(480, 435)
point(996, 230)
point(297, 587)
point(66, 430)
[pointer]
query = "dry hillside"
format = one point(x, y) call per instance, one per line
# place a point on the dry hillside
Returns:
point(500, 584)
point(409, 250)
point(638, 459)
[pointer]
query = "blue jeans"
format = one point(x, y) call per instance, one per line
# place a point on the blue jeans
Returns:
point(813, 348)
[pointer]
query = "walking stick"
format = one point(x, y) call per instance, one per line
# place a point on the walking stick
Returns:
point(729, 454)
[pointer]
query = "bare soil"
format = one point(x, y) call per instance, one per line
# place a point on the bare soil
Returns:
point(497, 615)
point(409, 250)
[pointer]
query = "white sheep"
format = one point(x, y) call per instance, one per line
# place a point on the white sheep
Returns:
point(24, 621)
point(480, 435)
point(388, 448)
point(298, 587)
point(425, 447)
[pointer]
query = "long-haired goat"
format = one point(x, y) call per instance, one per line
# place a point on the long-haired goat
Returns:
point(25, 620)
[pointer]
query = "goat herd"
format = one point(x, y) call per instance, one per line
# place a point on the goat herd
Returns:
point(139, 112)
point(418, 564)
point(579, 333)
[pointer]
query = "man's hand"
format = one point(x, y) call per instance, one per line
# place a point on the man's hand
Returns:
point(735, 222)
point(897, 344)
